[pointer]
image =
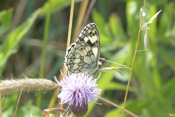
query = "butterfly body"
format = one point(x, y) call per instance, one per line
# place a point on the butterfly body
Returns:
point(83, 55)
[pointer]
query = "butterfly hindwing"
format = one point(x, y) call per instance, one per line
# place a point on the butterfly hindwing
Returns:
point(83, 55)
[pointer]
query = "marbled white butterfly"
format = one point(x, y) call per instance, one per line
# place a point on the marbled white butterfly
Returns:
point(83, 55)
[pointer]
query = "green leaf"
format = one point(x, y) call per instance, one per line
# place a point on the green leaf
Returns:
point(153, 25)
point(166, 20)
point(119, 86)
point(56, 5)
point(106, 78)
point(157, 78)
point(168, 88)
point(157, 2)
point(168, 56)
point(138, 105)
point(5, 20)
point(114, 113)
point(117, 29)
point(24, 110)
point(171, 115)
point(131, 13)
point(98, 20)
point(10, 44)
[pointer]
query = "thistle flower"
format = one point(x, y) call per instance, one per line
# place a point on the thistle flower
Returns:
point(78, 90)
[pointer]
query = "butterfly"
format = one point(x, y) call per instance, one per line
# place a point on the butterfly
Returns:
point(83, 55)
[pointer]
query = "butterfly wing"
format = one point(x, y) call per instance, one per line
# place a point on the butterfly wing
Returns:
point(83, 55)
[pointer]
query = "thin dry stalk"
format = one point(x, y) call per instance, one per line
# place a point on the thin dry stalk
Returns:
point(15, 86)
point(18, 102)
point(46, 111)
point(69, 35)
point(88, 12)
point(81, 14)
point(70, 24)
point(118, 106)
point(18, 13)
point(54, 97)
point(133, 60)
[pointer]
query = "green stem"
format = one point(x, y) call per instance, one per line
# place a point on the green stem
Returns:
point(133, 60)
point(43, 56)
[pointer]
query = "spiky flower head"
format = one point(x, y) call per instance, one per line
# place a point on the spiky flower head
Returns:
point(78, 90)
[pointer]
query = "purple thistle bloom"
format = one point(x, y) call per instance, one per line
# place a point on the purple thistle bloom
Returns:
point(78, 90)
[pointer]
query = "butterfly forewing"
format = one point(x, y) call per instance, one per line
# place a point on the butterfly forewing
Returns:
point(83, 55)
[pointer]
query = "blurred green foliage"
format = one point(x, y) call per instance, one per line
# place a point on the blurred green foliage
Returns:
point(151, 93)
point(5, 20)
point(10, 44)
point(25, 110)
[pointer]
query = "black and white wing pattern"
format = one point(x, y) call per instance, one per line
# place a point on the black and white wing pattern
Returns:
point(83, 55)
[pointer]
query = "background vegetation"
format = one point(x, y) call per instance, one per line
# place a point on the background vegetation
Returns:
point(152, 92)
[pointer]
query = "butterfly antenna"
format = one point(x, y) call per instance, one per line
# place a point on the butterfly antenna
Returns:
point(124, 66)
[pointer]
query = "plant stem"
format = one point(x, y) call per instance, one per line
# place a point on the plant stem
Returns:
point(52, 101)
point(133, 60)
point(43, 56)
point(89, 10)
point(82, 11)
point(118, 106)
point(70, 24)
point(18, 102)
point(69, 33)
